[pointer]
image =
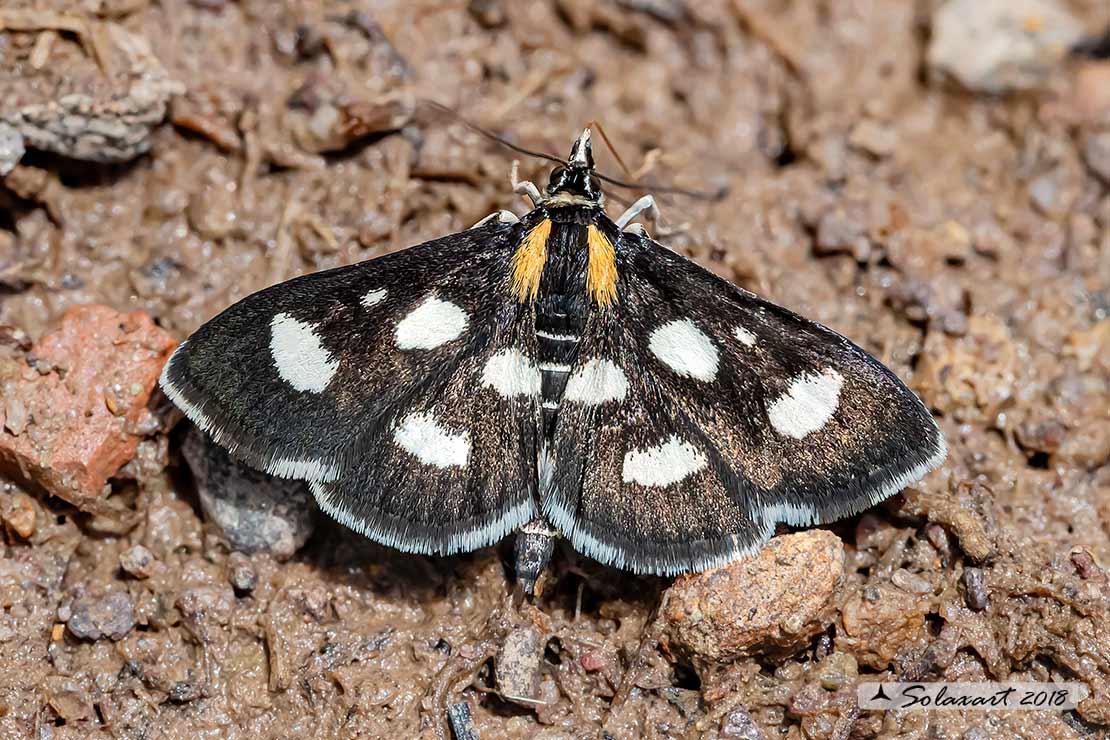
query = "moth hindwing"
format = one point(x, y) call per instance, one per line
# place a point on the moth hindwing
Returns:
point(556, 367)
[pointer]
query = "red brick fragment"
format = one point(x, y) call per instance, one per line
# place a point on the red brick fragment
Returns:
point(68, 405)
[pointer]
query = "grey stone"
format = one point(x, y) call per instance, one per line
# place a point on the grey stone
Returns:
point(11, 148)
point(739, 725)
point(256, 512)
point(112, 124)
point(138, 561)
point(1001, 46)
point(92, 618)
point(975, 586)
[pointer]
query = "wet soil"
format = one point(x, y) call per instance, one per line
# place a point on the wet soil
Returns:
point(963, 238)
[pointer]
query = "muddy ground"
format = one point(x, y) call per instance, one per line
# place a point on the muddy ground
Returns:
point(951, 216)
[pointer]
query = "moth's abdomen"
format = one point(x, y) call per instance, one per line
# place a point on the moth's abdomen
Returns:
point(562, 306)
point(558, 333)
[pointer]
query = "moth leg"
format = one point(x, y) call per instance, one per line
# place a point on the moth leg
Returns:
point(524, 187)
point(502, 217)
point(646, 203)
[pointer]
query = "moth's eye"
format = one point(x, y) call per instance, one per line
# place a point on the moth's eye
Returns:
point(557, 173)
point(595, 184)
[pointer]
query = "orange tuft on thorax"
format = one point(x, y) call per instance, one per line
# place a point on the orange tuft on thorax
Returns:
point(601, 275)
point(528, 261)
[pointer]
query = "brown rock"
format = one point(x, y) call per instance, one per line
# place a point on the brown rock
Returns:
point(966, 510)
point(81, 388)
point(771, 602)
point(880, 623)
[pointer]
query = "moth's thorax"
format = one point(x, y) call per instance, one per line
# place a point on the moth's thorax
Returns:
point(567, 251)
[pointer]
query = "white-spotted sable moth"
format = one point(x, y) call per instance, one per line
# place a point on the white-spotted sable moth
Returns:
point(562, 373)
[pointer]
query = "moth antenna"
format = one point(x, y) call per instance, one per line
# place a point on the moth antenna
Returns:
point(700, 195)
point(662, 189)
point(612, 149)
point(489, 134)
point(714, 195)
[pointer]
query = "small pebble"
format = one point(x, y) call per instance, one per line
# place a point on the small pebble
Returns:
point(518, 663)
point(910, 582)
point(842, 232)
point(592, 661)
point(1086, 566)
point(21, 515)
point(739, 725)
point(938, 538)
point(872, 533)
point(874, 138)
point(241, 574)
point(1044, 192)
point(810, 699)
point(111, 616)
point(137, 561)
point(688, 701)
point(1096, 153)
point(11, 148)
point(975, 584)
point(838, 670)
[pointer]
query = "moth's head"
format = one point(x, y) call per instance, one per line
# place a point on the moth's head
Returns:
point(576, 181)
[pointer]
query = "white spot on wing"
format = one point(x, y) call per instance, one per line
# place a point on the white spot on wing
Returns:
point(299, 357)
point(663, 464)
point(374, 297)
point(510, 373)
point(421, 435)
point(432, 323)
point(596, 382)
point(686, 349)
point(746, 337)
point(807, 405)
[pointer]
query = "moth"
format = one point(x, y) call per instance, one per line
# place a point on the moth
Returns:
point(560, 372)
